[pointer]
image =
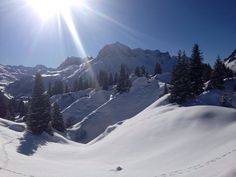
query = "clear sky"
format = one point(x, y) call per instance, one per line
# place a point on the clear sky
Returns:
point(167, 25)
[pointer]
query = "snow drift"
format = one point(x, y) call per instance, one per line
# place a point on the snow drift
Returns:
point(163, 140)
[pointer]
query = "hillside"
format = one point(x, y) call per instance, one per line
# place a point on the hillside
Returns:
point(163, 140)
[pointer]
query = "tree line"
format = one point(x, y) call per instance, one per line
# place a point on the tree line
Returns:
point(191, 76)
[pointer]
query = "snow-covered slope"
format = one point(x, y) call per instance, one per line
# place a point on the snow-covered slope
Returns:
point(104, 109)
point(163, 140)
point(10, 74)
point(91, 112)
point(230, 62)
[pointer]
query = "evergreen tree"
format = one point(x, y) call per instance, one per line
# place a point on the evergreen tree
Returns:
point(49, 89)
point(111, 81)
point(229, 72)
point(143, 71)
point(166, 90)
point(217, 76)
point(75, 85)
point(3, 105)
point(138, 71)
point(39, 112)
point(123, 83)
point(12, 108)
point(80, 84)
point(58, 87)
point(57, 119)
point(196, 72)
point(115, 78)
point(234, 88)
point(21, 108)
point(157, 69)
point(207, 70)
point(9, 116)
point(67, 90)
point(103, 79)
point(180, 82)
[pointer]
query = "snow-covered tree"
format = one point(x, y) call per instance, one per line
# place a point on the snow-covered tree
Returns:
point(39, 111)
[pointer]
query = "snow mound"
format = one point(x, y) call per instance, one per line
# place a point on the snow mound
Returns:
point(161, 141)
point(19, 127)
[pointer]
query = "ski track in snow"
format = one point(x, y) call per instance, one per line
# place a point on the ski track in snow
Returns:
point(94, 111)
point(6, 157)
point(76, 101)
point(193, 168)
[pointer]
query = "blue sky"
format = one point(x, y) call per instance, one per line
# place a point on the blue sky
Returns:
point(167, 25)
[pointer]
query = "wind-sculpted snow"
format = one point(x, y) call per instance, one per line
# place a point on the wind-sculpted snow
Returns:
point(163, 140)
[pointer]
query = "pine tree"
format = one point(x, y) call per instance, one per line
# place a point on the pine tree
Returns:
point(80, 84)
point(207, 70)
point(103, 79)
point(229, 73)
point(39, 112)
point(21, 108)
point(123, 83)
point(196, 71)
point(157, 69)
point(3, 105)
point(115, 78)
point(49, 89)
point(67, 90)
point(180, 82)
point(75, 85)
point(111, 81)
point(57, 119)
point(217, 76)
point(138, 71)
point(143, 71)
point(234, 88)
point(166, 90)
point(58, 87)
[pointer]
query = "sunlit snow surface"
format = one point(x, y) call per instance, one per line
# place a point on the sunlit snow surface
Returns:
point(163, 140)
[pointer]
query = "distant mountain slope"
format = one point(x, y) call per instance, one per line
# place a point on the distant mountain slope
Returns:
point(109, 58)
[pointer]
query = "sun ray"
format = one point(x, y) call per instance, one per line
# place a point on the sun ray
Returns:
point(74, 34)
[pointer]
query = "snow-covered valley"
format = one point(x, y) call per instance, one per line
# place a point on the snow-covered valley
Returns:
point(163, 140)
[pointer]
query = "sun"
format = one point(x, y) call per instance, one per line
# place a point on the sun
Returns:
point(49, 8)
